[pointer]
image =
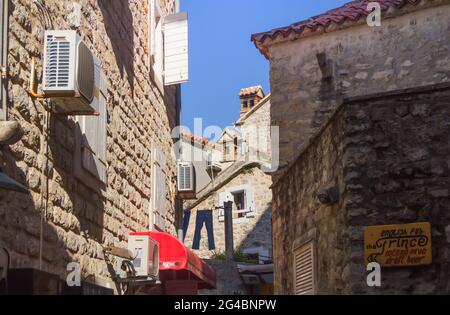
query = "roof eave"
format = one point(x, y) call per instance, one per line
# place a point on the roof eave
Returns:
point(263, 41)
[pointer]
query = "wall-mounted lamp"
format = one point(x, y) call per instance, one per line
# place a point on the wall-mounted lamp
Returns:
point(328, 195)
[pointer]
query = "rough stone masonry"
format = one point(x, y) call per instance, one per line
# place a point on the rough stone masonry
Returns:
point(389, 156)
point(81, 220)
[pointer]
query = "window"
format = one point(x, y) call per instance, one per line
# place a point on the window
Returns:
point(225, 150)
point(90, 161)
point(304, 270)
point(239, 202)
point(244, 104)
point(252, 103)
point(3, 57)
point(243, 203)
point(158, 213)
point(236, 147)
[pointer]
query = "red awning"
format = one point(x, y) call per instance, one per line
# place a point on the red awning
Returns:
point(176, 262)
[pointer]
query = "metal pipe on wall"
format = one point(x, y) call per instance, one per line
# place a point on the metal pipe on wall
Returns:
point(4, 60)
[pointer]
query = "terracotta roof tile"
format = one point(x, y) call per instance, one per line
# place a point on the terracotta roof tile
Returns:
point(252, 91)
point(197, 139)
point(352, 11)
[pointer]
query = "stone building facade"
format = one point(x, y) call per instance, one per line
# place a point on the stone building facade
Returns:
point(65, 218)
point(317, 64)
point(249, 232)
point(240, 176)
point(388, 154)
point(410, 48)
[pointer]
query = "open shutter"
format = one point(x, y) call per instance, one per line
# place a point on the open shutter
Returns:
point(176, 49)
point(159, 187)
point(249, 202)
point(304, 270)
point(223, 197)
point(152, 26)
point(93, 145)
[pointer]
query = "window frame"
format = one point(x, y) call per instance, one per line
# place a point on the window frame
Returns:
point(249, 211)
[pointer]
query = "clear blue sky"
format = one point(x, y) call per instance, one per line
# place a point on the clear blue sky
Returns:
point(223, 59)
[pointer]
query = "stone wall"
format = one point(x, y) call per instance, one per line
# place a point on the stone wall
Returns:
point(228, 280)
point(298, 216)
point(406, 51)
point(253, 232)
point(256, 133)
point(81, 220)
point(389, 156)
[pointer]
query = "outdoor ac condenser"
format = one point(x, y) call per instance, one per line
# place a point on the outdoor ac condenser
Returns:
point(70, 72)
point(146, 253)
point(185, 177)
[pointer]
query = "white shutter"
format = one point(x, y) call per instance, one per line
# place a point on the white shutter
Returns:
point(176, 49)
point(223, 197)
point(249, 203)
point(304, 270)
point(152, 26)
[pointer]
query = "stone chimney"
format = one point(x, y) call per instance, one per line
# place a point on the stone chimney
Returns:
point(250, 97)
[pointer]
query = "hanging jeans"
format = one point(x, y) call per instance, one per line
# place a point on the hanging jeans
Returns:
point(186, 218)
point(204, 217)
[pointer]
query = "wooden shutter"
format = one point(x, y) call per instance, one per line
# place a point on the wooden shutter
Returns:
point(176, 49)
point(159, 187)
point(304, 270)
point(249, 202)
point(223, 196)
point(93, 146)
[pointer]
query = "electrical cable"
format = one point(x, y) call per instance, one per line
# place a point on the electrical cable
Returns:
point(44, 195)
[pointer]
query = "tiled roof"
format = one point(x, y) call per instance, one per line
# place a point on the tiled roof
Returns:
point(252, 91)
point(196, 138)
point(351, 12)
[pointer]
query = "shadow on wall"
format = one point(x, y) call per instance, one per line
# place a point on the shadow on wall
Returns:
point(118, 21)
point(261, 234)
point(20, 226)
point(74, 223)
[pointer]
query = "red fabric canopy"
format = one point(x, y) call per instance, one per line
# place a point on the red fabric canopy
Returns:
point(176, 262)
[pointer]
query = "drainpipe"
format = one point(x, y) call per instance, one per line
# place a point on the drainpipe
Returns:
point(4, 60)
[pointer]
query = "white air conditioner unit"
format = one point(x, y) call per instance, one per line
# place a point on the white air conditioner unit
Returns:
point(185, 177)
point(71, 72)
point(146, 255)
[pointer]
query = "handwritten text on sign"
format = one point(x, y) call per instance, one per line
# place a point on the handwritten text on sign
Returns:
point(398, 245)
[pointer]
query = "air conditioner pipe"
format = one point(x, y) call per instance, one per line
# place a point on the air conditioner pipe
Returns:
point(32, 81)
point(4, 59)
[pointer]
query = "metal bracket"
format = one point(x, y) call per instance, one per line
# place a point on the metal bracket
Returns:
point(4, 71)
